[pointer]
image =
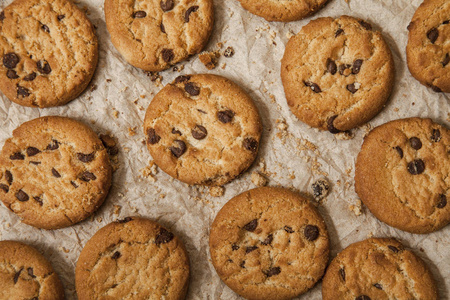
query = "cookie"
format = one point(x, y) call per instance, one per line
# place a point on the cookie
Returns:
point(402, 174)
point(283, 11)
point(428, 52)
point(54, 172)
point(26, 274)
point(155, 34)
point(202, 129)
point(133, 258)
point(337, 73)
point(48, 51)
point(269, 243)
point(378, 268)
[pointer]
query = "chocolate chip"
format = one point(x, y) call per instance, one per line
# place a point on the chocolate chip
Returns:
point(415, 167)
point(112, 150)
point(342, 273)
point(320, 189)
point(55, 173)
point(365, 25)
point(242, 264)
point(30, 272)
point(250, 249)
point(288, 229)
point(311, 232)
point(268, 240)
point(182, 78)
point(199, 132)
point(125, 220)
point(331, 66)
point(166, 5)
point(139, 14)
point(116, 255)
point(2, 16)
point(167, 55)
point(251, 226)
point(357, 66)
point(45, 28)
point(442, 201)
point(87, 176)
point(30, 77)
point(10, 60)
point(446, 60)
point(17, 156)
point(225, 116)
point(179, 149)
point(86, 157)
point(378, 286)
point(250, 144)
point(202, 111)
point(393, 249)
point(43, 67)
point(38, 200)
point(343, 67)
point(273, 271)
point(234, 247)
point(192, 89)
point(433, 34)
point(22, 196)
point(351, 88)
point(338, 32)
point(8, 177)
point(314, 87)
point(399, 151)
point(436, 135)
point(229, 52)
point(60, 17)
point(53, 146)
point(4, 187)
point(415, 143)
point(32, 151)
point(330, 125)
point(446, 22)
point(35, 162)
point(163, 237)
point(161, 26)
point(436, 89)
point(189, 11)
point(362, 297)
point(22, 91)
point(16, 276)
point(11, 74)
point(74, 184)
point(176, 131)
point(153, 138)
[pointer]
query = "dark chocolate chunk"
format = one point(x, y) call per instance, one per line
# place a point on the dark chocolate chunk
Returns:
point(229, 52)
point(415, 167)
point(234, 247)
point(30, 272)
point(446, 60)
point(166, 5)
point(153, 138)
point(250, 249)
point(357, 66)
point(314, 86)
point(22, 196)
point(60, 17)
point(365, 25)
point(338, 32)
point(44, 67)
point(2, 16)
point(435, 135)
point(30, 77)
point(331, 66)
point(53, 146)
point(163, 237)
point(45, 28)
point(22, 91)
point(176, 131)
point(182, 78)
point(362, 297)
point(4, 187)
point(10, 60)
point(202, 111)
point(393, 249)
point(35, 162)
point(17, 156)
point(352, 88)
point(442, 201)
point(55, 173)
point(38, 200)
point(16, 276)
point(311, 232)
point(242, 264)
point(250, 144)
point(87, 176)
point(199, 132)
point(378, 286)
point(32, 151)
point(11, 74)
point(75, 185)
point(161, 26)
point(268, 240)
point(342, 273)
point(273, 271)
point(330, 125)
point(167, 55)
point(343, 67)
point(415, 143)
point(8, 177)
point(436, 89)
point(399, 151)
point(320, 189)
point(251, 226)
point(178, 149)
point(116, 255)
point(192, 89)
point(433, 34)
point(125, 220)
point(139, 14)
point(86, 157)
point(225, 116)
point(288, 229)
point(189, 11)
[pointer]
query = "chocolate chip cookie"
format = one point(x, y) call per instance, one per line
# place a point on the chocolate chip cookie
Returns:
point(54, 172)
point(269, 243)
point(283, 11)
point(378, 268)
point(155, 34)
point(337, 73)
point(202, 129)
point(26, 274)
point(48, 52)
point(133, 258)
point(428, 49)
point(402, 174)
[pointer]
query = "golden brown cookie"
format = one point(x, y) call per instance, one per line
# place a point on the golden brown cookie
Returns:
point(402, 174)
point(26, 274)
point(155, 34)
point(133, 258)
point(54, 172)
point(202, 129)
point(269, 243)
point(337, 73)
point(48, 52)
point(378, 268)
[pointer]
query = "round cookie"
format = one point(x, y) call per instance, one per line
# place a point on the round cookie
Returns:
point(269, 243)
point(155, 34)
point(202, 129)
point(283, 11)
point(378, 268)
point(48, 52)
point(337, 73)
point(54, 172)
point(26, 274)
point(133, 258)
point(428, 50)
point(402, 173)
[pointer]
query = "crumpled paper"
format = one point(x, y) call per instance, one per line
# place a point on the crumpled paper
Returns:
point(292, 154)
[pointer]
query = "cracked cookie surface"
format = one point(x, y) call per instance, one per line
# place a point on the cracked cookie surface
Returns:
point(428, 49)
point(402, 174)
point(337, 73)
point(269, 243)
point(155, 34)
point(54, 172)
point(202, 129)
point(26, 274)
point(48, 50)
point(283, 11)
point(378, 268)
point(133, 258)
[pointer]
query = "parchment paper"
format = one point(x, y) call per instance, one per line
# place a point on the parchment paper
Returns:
point(291, 155)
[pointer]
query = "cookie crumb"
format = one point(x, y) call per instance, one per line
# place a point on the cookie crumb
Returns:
point(357, 208)
point(219, 45)
point(209, 59)
point(178, 68)
point(258, 179)
point(320, 189)
point(117, 209)
point(216, 191)
point(150, 171)
point(132, 131)
point(229, 52)
point(93, 87)
point(154, 76)
point(345, 135)
point(99, 219)
point(370, 234)
point(115, 113)
point(108, 80)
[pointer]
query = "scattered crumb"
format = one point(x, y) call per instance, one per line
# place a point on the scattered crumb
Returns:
point(150, 171)
point(64, 249)
point(345, 135)
point(272, 98)
point(281, 124)
point(132, 131)
point(396, 109)
point(258, 179)
point(356, 208)
point(115, 113)
point(93, 87)
point(99, 219)
point(108, 80)
point(154, 76)
point(162, 196)
point(8, 225)
point(370, 234)
point(320, 189)
point(229, 52)
point(178, 68)
point(216, 191)
point(219, 45)
point(209, 59)
point(126, 149)
point(124, 89)
point(142, 96)
point(223, 66)
point(117, 209)
point(290, 34)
